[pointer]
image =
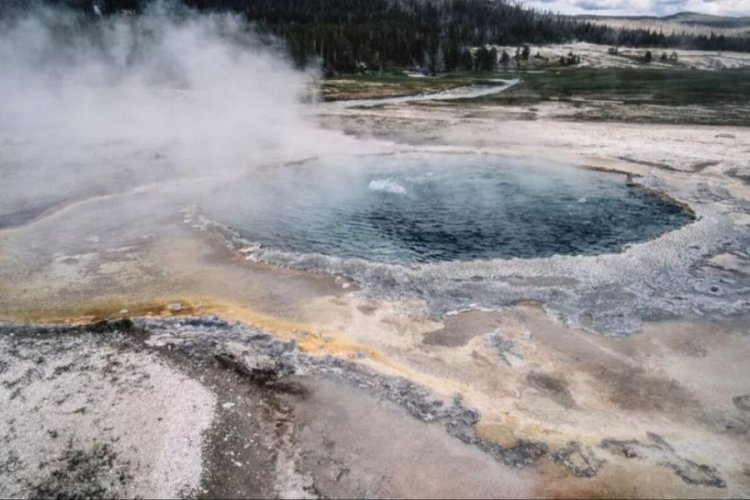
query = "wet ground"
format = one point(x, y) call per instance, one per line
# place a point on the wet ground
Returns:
point(613, 375)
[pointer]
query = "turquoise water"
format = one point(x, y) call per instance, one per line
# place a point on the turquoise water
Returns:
point(427, 208)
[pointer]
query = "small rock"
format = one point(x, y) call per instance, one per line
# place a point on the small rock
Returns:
point(228, 406)
point(742, 402)
point(505, 349)
point(578, 459)
point(175, 307)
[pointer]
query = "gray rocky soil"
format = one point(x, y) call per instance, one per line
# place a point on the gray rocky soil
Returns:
point(201, 407)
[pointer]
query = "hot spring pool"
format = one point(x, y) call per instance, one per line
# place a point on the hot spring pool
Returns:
point(432, 207)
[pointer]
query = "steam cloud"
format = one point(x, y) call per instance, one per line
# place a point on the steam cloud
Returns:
point(87, 106)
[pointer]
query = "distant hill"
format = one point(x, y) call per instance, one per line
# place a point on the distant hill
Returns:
point(689, 23)
point(697, 19)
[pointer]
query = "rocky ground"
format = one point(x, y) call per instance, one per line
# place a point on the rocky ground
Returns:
point(205, 408)
point(201, 407)
point(559, 377)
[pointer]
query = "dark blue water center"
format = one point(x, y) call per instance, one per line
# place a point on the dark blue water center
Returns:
point(426, 208)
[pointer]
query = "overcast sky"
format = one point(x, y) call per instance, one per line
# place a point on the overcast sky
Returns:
point(643, 7)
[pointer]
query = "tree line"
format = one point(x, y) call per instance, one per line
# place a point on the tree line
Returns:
point(351, 35)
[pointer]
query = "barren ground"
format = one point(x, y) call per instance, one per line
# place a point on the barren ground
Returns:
point(322, 385)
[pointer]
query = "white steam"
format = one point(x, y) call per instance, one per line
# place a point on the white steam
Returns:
point(386, 186)
point(87, 104)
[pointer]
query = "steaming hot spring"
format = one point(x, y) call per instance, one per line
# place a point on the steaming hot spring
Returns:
point(409, 208)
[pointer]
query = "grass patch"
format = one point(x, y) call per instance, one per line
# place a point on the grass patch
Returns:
point(372, 86)
point(646, 94)
point(666, 86)
point(672, 87)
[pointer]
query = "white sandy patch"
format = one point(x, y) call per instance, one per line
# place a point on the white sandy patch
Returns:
point(597, 55)
point(73, 393)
